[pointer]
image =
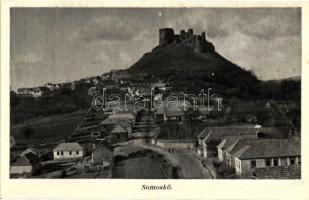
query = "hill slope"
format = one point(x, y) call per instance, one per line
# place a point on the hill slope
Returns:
point(177, 62)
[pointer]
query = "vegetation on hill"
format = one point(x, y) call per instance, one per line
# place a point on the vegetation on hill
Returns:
point(63, 101)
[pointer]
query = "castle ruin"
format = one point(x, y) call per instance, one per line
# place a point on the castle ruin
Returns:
point(196, 42)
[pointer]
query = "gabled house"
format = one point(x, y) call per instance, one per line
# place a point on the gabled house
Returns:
point(26, 164)
point(210, 137)
point(23, 91)
point(118, 134)
point(103, 155)
point(224, 144)
point(267, 153)
point(39, 91)
point(173, 115)
point(50, 86)
point(68, 151)
point(280, 172)
point(31, 150)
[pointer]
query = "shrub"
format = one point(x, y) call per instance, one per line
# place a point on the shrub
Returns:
point(27, 131)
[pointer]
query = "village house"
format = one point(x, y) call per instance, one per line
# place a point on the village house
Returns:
point(68, 151)
point(103, 155)
point(105, 76)
point(32, 150)
point(27, 164)
point(68, 86)
point(39, 92)
point(124, 118)
point(146, 82)
point(120, 74)
point(225, 143)
point(280, 172)
point(267, 153)
point(50, 86)
point(210, 137)
point(173, 115)
point(109, 84)
point(160, 85)
point(23, 91)
point(118, 134)
point(174, 143)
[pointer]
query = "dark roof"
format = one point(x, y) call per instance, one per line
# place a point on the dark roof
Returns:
point(267, 148)
point(220, 132)
point(30, 150)
point(227, 142)
point(281, 172)
point(184, 140)
point(238, 144)
point(28, 159)
point(103, 151)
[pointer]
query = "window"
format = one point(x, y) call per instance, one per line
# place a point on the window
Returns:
point(299, 160)
point(268, 162)
point(57, 153)
point(70, 152)
point(77, 152)
point(275, 162)
point(292, 161)
point(253, 164)
point(62, 153)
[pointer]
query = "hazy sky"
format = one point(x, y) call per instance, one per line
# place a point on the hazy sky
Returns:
point(66, 44)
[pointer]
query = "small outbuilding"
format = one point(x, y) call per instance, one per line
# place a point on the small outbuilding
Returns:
point(26, 164)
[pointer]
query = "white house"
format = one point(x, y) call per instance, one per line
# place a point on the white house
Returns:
point(68, 151)
point(267, 153)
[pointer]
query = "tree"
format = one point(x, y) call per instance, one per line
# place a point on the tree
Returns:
point(27, 131)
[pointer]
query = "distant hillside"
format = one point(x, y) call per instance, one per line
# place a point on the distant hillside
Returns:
point(293, 78)
point(191, 57)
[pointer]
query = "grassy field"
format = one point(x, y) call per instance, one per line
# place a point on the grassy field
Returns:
point(49, 129)
point(144, 164)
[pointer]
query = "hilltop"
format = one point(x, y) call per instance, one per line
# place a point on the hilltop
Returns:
point(187, 56)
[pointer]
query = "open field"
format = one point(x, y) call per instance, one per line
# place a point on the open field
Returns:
point(49, 129)
point(142, 164)
point(139, 168)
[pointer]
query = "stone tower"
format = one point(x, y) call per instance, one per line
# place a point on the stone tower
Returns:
point(166, 36)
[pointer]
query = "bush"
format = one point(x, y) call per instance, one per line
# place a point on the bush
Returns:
point(27, 131)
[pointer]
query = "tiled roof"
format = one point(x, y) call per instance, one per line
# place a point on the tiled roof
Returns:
point(29, 150)
point(74, 146)
point(281, 172)
point(118, 129)
point(220, 132)
point(227, 142)
point(267, 148)
point(28, 159)
point(173, 113)
point(102, 152)
point(238, 144)
point(203, 133)
point(122, 115)
point(175, 140)
point(109, 121)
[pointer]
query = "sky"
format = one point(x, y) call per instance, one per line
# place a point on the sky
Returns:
point(66, 44)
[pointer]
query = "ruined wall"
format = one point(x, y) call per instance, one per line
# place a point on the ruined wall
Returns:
point(196, 42)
